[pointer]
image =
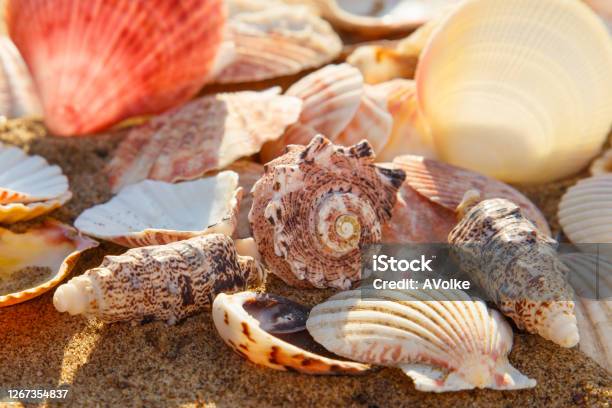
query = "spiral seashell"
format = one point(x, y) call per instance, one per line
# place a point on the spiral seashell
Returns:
point(443, 340)
point(167, 282)
point(602, 165)
point(97, 62)
point(206, 134)
point(271, 331)
point(17, 94)
point(316, 206)
point(518, 268)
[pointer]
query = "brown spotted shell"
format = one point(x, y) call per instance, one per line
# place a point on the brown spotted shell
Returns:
point(316, 206)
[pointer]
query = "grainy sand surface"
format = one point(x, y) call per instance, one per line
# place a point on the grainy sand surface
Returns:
point(188, 365)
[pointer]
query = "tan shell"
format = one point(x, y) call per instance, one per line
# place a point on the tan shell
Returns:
point(271, 331)
point(602, 165)
point(248, 174)
point(518, 268)
point(316, 206)
point(51, 248)
point(17, 212)
point(204, 135)
point(167, 282)
point(443, 340)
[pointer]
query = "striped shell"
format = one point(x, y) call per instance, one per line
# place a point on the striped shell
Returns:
point(207, 134)
point(443, 340)
point(316, 206)
point(271, 331)
point(155, 212)
point(518, 268)
point(585, 211)
point(167, 282)
point(17, 94)
point(97, 62)
point(35, 261)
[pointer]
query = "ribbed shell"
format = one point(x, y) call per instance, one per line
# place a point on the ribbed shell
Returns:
point(18, 212)
point(518, 268)
point(155, 212)
point(97, 62)
point(585, 211)
point(207, 134)
point(444, 340)
point(17, 94)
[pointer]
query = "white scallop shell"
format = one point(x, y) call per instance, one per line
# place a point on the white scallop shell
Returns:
point(156, 212)
point(17, 93)
point(585, 211)
point(27, 179)
point(444, 340)
point(520, 81)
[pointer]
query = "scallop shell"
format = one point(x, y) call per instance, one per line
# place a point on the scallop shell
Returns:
point(316, 206)
point(17, 94)
point(443, 340)
point(51, 249)
point(155, 56)
point(604, 9)
point(271, 331)
point(585, 211)
point(28, 179)
point(155, 212)
point(277, 41)
point(518, 268)
point(602, 165)
point(18, 212)
point(207, 134)
point(167, 282)
point(520, 81)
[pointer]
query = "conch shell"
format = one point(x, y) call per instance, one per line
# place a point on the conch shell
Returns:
point(316, 206)
point(517, 266)
point(271, 331)
point(443, 340)
point(168, 282)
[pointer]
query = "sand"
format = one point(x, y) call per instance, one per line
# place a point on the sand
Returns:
point(154, 365)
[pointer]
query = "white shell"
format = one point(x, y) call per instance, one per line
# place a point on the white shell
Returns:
point(156, 212)
point(27, 179)
point(17, 93)
point(444, 340)
point(524, 92)
point(585, 211)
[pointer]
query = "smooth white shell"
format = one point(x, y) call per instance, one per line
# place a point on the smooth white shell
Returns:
point(156, 212)
point(524, 92)
point(585, 211)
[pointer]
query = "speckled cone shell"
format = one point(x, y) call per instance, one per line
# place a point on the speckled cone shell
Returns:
point(168, 282)
point(17, 94)
point(97, 62)
point(206, 134)
point(316, 206)
point(518, 268)
point(244, 334)
point(443, 340)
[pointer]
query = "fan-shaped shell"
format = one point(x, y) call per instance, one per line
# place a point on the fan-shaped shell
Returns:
point(602, 165)
point(443, 340)
point(166, 282)
point(155, 212)
point(585, 211)
point(17, 94)
point(271, 331)
point(207, 134)
point(316, 206)
point(27, 179)
point(17, 212)
point(520, 81)
point(35, 261)
point(97, 62)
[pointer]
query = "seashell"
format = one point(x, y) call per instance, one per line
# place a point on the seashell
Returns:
point(521, 80)
point(156, 213)
point(585, 211)
point(28, 179)
point(167, 282)
point(17, 94)
point(518, 268)
point(602, 165)
point(18, 212)
point(271, 331)
point(248, 174)
point(443, 340)
point(275, 41)
point(155, 56)
point(316, 206)
point(207, 134)
point(35, 261)
point(604, 9)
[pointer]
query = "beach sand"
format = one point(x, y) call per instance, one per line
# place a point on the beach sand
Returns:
point(155, 365)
